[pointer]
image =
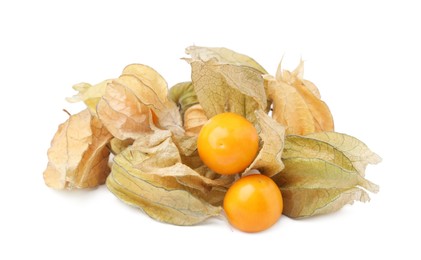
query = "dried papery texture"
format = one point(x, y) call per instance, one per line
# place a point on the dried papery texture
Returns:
point(269, 159)
point(228, 88)
point(130, 103)
point(149, 175)
point(319, 175)
point(356, 151)
point(183, 95)
point(319, 201)
point(78, 156)
point(152, 80)
point(152, 132)
point(122, 113)
point(187, 146)
point(117, 146)
point(223, 55)
point(194, 119)
point(296, 103)
point(227, 81)
point(310, 148)
point(152, 90)
point(89, 94)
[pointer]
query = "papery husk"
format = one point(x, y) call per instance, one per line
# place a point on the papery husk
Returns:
point(152, 90)
point(131, 101)
point(269, 158)
point(78, 156)
point(356, 151)
point(183, 95)
point(226, 81)
point(89, 94)
point(150, 175)
point(116, 145)
point(223, 56)
point(152, 133)
point(320, 175)
point(194, 119)
point(296, 103)
point(121, 112)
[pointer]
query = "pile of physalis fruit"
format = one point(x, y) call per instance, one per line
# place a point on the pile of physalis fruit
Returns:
point(234, 141)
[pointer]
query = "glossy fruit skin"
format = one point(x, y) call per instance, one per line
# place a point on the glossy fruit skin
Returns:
point(228, 143)
point(253, 203)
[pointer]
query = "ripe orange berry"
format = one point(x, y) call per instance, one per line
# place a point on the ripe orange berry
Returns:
point(228, 143)
point(253, 203)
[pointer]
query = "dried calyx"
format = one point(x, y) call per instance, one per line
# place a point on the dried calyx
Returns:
point(152, 132)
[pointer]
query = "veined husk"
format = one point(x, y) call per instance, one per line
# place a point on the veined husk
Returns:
point(152, 132)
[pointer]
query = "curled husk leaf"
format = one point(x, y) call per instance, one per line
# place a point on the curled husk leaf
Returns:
point(89, 94)
point(223, 56)
point(117, 146)
point(152, 90)
point(356, 151)
point(150, 175)
point(130, 102)
point(121, 112)
point(296, 102)
point(301, 203)
point(194, 119)
point(183, 95)
point(269, 159)
point(223, 86)
point(78, 156)
point(320, 175)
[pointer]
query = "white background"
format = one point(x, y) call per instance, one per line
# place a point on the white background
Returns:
point(364, 56)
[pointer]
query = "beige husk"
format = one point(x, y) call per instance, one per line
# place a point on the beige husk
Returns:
point(152, 132)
